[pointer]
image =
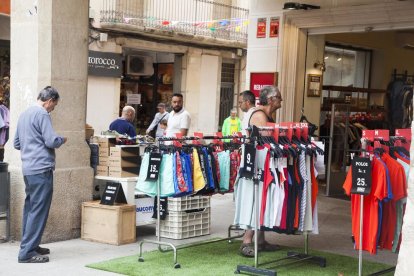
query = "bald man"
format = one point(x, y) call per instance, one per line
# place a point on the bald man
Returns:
point(123, 125)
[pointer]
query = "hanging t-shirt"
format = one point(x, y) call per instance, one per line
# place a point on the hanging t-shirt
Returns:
point(400, 208)
point(399, 191)
point(370, 219)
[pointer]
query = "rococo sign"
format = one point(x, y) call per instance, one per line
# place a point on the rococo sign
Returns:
point(104, 64)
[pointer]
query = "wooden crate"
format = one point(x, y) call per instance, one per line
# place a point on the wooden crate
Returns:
point(108, 224)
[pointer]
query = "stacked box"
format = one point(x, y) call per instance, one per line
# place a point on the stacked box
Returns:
point(124, 161)
point(187, 217)
point(104, 144)
point(108, 224)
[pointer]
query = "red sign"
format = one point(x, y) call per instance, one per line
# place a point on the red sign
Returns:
point(260, 80)
point(261, 28)
point(274, 27)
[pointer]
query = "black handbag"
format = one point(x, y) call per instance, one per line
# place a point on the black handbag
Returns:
point(153, 132)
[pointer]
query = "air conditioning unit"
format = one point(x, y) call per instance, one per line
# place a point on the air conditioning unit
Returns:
point(139, 65)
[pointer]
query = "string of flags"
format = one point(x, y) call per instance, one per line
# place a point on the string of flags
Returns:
point(212, 25)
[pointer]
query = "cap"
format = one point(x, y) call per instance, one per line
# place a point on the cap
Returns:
point(161, 105)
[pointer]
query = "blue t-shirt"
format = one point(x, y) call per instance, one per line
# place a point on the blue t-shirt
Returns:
point(122, 126)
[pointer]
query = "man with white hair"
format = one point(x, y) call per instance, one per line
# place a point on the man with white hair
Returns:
point(123, 125)
point(270, 100)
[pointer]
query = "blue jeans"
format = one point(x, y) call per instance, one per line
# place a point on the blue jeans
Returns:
point(39, 190)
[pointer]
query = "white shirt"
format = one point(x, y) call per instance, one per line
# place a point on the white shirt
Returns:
point(246, 119)
point(177, 121)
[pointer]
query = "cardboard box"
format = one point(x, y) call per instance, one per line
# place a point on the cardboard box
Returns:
point(102, 170)
point(105, 142)
point(144, 210)
point(104, 161)
point(124, 151)
point(129, 161)
point(123, 172)
point(108, 224)
point(103, 151)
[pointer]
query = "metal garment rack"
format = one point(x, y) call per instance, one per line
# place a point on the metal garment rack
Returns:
point(172, 246)
point(296, 256)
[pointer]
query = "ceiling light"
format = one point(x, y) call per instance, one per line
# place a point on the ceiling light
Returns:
point(299, 6)
point(326, 57)
point(339, 59)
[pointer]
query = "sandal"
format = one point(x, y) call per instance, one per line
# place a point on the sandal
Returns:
point(268, 247)
point(42, 250)
point(247, 250)
point(36, 259)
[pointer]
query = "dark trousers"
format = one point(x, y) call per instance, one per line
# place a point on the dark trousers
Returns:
point(39, 190)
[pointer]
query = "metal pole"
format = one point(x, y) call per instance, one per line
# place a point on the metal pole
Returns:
point(256, 226)
point(361, 216)
point(328, 175)
point(306, 242)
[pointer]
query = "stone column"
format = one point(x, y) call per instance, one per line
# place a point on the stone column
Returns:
point(49, 46)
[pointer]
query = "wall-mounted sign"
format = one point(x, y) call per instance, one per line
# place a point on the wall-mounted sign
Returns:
point(314, 85)
point(274, 27)
point(260, 80)
point(261, 27)
point(104, 64)
point(134, 99)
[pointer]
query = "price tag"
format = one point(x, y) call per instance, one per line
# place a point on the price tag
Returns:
point(361, 176)
point(154, 166)
point(113, 193)
point(248, 161)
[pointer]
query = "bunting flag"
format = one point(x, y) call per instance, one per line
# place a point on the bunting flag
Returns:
point(235, 24)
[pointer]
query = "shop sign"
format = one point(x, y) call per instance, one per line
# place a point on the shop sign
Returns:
point(261, 27)
point(248, 162)
point(104, 64)
point(361, 176)
point(274, 27)
point(260, 80)
point(113, 193)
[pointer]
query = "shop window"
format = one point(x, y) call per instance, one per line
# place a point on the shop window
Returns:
point(346, 66)
point(226, 91)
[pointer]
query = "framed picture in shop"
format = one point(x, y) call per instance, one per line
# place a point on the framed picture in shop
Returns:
point(314, 85)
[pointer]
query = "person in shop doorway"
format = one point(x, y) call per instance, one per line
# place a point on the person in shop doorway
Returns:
point(154, 130)
point(37, 141)
point(123, 125)
point(247, 102)
point(270, 100)
point(179, 119)
point(231, 124)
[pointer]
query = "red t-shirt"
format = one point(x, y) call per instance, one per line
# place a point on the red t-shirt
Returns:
point(370, 216)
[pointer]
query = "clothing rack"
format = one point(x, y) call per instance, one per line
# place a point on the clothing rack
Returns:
point(393, 139)
point(296, 256)
point(172, 246)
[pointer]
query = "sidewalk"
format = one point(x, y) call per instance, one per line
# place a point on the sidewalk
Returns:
point(70, 257)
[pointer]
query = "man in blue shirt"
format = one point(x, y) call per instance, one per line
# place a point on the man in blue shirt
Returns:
point(123, 125)
point(37, 141)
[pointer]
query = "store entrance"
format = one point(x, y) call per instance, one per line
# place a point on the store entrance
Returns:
point(149, 79)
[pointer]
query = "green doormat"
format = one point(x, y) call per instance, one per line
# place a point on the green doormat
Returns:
point(221, 258)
